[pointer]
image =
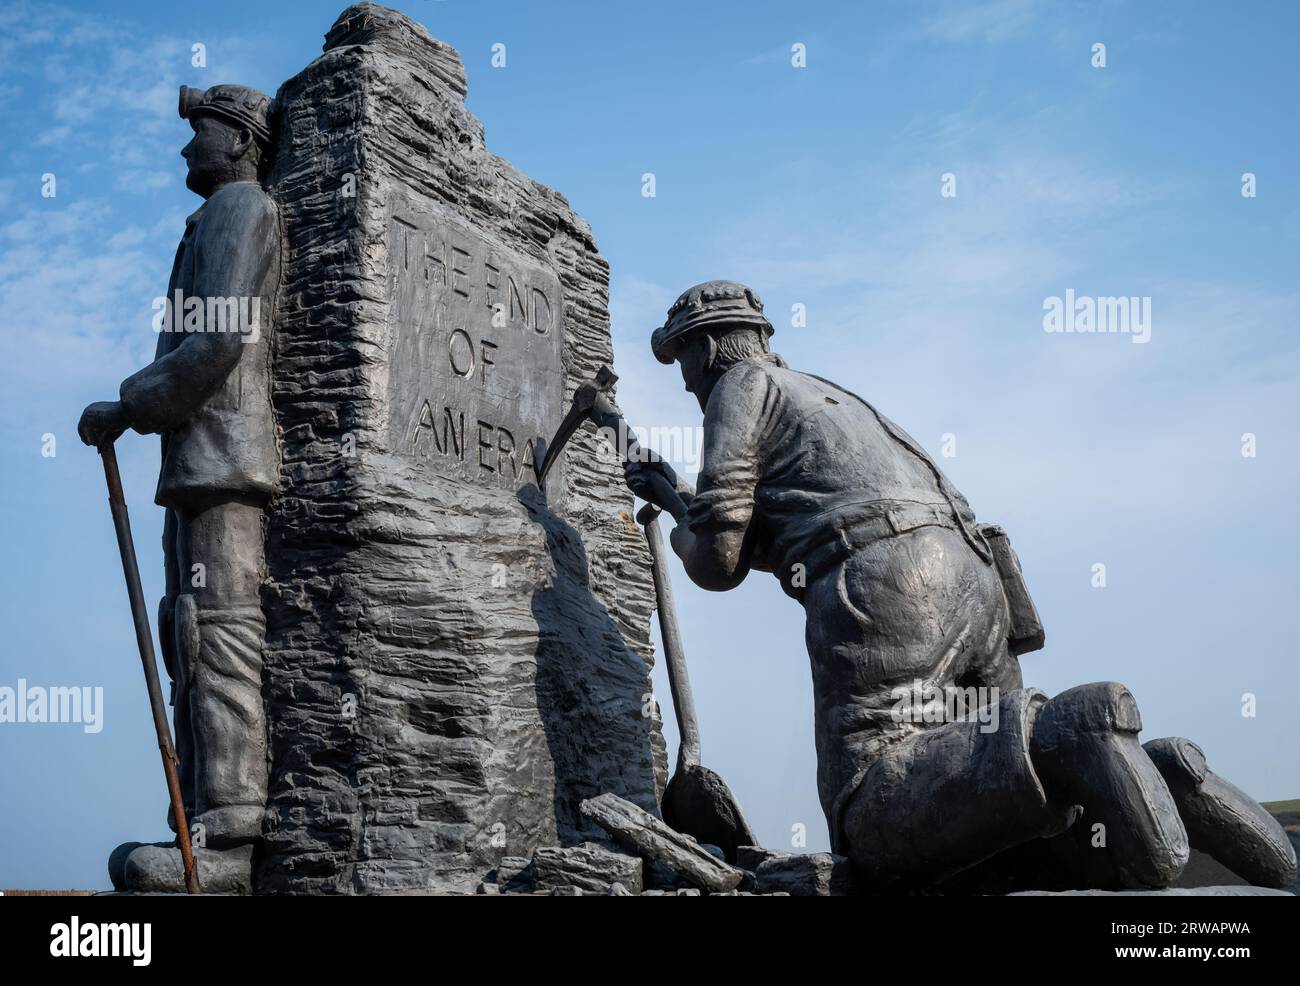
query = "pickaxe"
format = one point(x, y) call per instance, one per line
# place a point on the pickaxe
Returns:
point(591, 403)
point(696, 801)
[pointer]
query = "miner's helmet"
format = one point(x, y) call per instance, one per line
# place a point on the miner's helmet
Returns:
point(239, 106)
point(708, 304)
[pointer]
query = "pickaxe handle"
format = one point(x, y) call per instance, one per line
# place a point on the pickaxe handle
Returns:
point(591, 402)
point(664, 495)
point(144, 638)
point(663, 491)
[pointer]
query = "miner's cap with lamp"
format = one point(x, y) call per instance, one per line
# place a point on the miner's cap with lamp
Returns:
point(706, 304)
point(239, 106)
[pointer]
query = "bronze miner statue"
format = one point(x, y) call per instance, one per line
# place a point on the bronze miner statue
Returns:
point(436, 677)
point(910, 603)
point(207, 394)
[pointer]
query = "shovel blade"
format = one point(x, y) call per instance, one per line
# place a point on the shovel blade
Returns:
point(698, 803)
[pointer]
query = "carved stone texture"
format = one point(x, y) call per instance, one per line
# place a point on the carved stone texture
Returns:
point(515, 874)
point(590, 868)
point(454, 661)
point(643, 833)
point(817, 874)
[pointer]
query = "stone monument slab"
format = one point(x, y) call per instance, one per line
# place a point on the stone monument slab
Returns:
point(455, 659)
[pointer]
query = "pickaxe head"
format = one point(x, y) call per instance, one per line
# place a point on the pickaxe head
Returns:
point(584, 401)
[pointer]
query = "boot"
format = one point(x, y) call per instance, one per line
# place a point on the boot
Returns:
point(1221, 819)
point(229, 724)
point(1086, 750)
point(156, 868)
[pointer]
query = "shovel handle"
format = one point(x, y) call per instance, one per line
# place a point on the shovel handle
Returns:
point(688, 752)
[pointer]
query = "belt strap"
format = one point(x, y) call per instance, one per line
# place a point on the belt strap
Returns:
point(972, 537)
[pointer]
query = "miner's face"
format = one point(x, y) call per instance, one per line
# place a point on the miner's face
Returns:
point(693, 359)
point(211, 154)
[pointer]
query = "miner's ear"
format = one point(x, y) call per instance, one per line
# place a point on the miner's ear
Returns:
point(710, 347)
point(243, 141)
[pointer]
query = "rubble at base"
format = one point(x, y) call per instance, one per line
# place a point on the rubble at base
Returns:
point(588, 867)
point(643, 857)
point(647, 858)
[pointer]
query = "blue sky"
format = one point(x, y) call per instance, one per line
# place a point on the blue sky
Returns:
point(818, 186)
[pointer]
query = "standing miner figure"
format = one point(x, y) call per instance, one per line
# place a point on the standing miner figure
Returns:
point(207, 394)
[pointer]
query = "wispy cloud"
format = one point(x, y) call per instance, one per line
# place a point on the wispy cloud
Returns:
point(78, 271)
point(958, 21)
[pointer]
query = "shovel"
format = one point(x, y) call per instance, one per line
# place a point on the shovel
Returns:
point(696, 801)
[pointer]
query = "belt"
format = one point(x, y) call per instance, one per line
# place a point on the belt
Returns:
point(871, 522)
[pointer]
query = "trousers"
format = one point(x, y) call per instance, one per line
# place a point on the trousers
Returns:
point(916, 787)
point(213, 630)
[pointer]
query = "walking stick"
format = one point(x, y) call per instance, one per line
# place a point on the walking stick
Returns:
point(144, 637)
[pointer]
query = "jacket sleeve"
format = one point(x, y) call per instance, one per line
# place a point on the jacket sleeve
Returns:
point(716, 541)
point(740, 415)
point(235, 245)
